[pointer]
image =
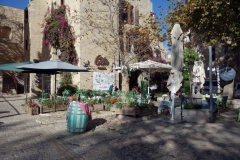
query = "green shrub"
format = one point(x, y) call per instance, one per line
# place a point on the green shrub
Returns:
point(197, 106)
point(187, 106)
point(73, 89)
point(186, 87)
point(48, 103)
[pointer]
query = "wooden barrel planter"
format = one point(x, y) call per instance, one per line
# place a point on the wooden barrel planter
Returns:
point(77, 120)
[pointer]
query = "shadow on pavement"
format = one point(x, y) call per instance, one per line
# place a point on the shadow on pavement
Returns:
point(95, 122)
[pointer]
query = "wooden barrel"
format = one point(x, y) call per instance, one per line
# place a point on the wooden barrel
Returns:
point(77, 120)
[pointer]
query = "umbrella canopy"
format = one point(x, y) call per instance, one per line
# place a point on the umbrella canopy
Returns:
point(12, 66)
point(53, 65)
point(177, 47)
point(227, 73)
point(152, 65)
point(175, 78)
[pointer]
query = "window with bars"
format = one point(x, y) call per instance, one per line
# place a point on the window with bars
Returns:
point(47, 83)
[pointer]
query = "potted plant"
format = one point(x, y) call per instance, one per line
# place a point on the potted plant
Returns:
point(126, 104)
point(32, 108)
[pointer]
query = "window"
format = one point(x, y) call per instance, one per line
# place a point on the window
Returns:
point(26, 44)
point(136, 16)
point(47, 83)
point(128, 15)
point(26, 15)
point(132, 41)
point(5, 32)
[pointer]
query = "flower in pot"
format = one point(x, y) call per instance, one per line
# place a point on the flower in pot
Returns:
point(32, 107)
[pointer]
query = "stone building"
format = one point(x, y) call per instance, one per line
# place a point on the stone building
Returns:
point(99, 39)
point(11, 46)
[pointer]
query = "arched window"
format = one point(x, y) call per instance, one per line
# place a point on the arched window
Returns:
point(5, 32)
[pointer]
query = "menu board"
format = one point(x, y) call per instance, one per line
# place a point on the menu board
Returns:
point(102, 80)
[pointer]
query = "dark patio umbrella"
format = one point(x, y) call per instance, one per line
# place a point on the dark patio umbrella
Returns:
point(54, 66)
point(12, 67)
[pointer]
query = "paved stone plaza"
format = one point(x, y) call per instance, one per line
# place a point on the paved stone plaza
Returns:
point(45, 137)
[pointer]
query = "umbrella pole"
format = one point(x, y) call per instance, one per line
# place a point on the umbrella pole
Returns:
point(55, 93)
point(25, 86)
point(148, 80)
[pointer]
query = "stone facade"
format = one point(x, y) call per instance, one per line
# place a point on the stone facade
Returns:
point(11, 43)
point(91, 42)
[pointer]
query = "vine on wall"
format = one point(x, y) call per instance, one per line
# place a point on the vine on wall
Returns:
point(59, 34)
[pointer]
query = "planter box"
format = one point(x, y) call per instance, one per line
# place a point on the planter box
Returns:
point(97, 107)
point(32, 111)
point(46, 109)
point(61, 107)
point(148, 111)
point(132, 111)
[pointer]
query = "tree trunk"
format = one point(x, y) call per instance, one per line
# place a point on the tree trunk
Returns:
point(125, 83)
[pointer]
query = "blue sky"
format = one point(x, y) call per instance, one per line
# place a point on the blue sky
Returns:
point(22, 4)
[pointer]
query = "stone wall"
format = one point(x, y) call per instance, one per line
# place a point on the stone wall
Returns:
point(11, 39)
point(90, 41)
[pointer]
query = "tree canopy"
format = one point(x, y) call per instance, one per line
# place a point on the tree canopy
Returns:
point(212, 20)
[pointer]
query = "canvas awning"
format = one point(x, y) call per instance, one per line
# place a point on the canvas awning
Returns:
point(150, 65)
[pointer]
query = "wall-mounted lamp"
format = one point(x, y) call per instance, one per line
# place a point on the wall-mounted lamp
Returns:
point(86, 64)
point(58, 52)
point(113, 67)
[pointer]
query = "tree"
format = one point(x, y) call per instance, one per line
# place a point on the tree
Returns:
point(211, 20)
point(189, 57)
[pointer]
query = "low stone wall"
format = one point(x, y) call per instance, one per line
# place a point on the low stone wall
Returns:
point(193, 115)
point(234, 104)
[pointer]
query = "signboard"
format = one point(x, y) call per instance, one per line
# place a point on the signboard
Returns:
point(102, 81)
point(101, 61)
